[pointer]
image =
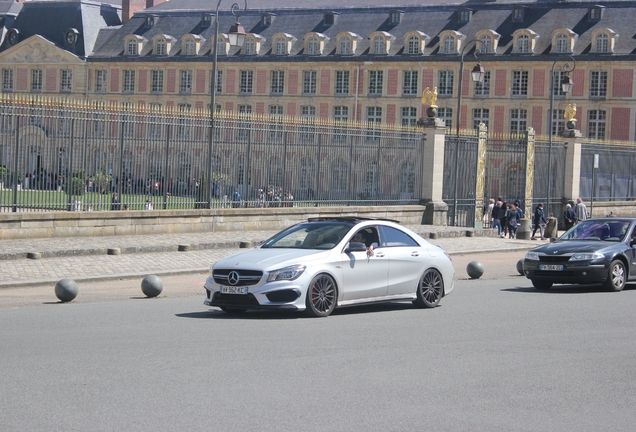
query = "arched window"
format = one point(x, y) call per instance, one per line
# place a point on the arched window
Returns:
point(280, 46)
point(486, 44)
point(249, 47)
point(379, 45)
point(561, 43)
point(132, 47)
point(523, 44)
point(345, 45)
point(449, 45)
point(221, 48)
point(413, 45)
point(189, 47)
point(602, 43)
point(339, 176)
point(160, 46)
point(313, 46)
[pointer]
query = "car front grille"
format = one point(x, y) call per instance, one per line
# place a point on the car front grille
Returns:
point(234, 299)
point(554, 258)
point(246, 277)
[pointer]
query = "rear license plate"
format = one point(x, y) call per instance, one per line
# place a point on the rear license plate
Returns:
point(233, 290)
point(551, 267)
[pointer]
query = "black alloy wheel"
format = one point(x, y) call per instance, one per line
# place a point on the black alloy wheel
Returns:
point(321, 296)
point(430, 289)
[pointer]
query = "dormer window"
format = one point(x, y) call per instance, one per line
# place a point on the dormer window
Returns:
point(450, 41)
point(518, 13)
point(346, 43)
point(380, 42)
point(222, 45)
point(282, 43)
point(188, 47)
point(160, 46)
point(395, 17)
point(252, 44)
point(603, 40)
point(465, 15)
point(330, 18)
point(414, 42)
point(150, 21)
point(563, 41)
point(524, 41)
point(206, 20)
point(488, 41)
point(315, 43)
point(132, 45)
point(266, 19)
point(595, 13)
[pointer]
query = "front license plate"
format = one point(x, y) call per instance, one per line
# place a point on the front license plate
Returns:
point(551, 267)
point(233, 290)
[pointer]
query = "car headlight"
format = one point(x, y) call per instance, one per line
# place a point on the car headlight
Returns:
point(586, 256)
point(534, 256)
point(286, 273)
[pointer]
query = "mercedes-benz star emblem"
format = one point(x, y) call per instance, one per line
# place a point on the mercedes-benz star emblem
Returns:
point(233, 278)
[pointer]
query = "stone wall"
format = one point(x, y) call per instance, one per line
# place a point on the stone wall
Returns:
point(112, 223)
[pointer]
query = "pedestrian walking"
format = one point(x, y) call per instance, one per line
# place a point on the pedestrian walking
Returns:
point(512, 220)
point(539, 222)
point(496, 209)
point(569, 217)
point(581, 210)
point(115, 204)
point(503, 219)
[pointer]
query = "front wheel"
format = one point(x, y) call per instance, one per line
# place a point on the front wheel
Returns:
point(541, 285)
point(616, 277)
point(321, 296)
point(430, 289)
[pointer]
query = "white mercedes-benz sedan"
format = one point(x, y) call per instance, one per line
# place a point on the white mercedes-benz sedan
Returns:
point(324, 263)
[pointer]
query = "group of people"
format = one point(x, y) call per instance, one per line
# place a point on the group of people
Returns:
point(506, 217)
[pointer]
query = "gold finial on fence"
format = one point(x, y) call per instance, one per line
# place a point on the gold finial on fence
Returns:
point(570, 113)
point(429, 97)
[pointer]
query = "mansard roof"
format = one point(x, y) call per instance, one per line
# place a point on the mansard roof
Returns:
point(52, 19)
point(363, 17)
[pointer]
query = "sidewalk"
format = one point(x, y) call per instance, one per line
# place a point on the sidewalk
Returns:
point(122, 257)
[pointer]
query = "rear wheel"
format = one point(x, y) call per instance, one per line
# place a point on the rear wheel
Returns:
point(232, 310)
point(616, 277)
point(430, 289)
point(541, 285)
point(321, 296)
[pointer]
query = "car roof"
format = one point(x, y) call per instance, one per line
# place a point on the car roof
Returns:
point(354, 219)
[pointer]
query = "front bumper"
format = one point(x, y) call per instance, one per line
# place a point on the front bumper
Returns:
point(275, 295)
point(572, 273)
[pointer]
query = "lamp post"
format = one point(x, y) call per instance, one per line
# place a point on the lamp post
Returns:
point(477, 75)
point(236, 37)
point(566, 85)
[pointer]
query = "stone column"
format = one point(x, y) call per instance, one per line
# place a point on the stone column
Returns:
point(433, 130)
point(527, 202)
point(572, 180)
point(481, 176)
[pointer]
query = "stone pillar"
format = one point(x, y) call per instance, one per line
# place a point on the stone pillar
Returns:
point(433, 130)
point(481, 176)
point(527, 201)
point(572, 178)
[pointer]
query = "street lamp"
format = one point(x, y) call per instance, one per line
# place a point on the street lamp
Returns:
point(477, 75)
point(566, 86)
point(236, 37)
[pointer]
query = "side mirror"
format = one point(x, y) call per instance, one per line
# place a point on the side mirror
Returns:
point(356, 247)
point(553, 239)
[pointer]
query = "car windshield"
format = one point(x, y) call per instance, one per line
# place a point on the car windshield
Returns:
point(610, 230)
point(310, 235)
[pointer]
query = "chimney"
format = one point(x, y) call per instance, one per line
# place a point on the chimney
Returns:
point(131, 7)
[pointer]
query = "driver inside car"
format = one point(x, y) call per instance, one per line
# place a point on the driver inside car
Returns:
point(361, 237)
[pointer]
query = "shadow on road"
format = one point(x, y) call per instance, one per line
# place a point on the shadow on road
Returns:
point(568, 289)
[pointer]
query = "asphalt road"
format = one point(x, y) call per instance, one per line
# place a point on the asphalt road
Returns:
point(496, 355)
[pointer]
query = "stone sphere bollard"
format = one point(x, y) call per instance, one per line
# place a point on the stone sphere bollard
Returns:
point(66, 290)
point(475, 269)
point(152, 285)
point(520, 266)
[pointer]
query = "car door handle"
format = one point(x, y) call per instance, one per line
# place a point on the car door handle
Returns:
point(415, 254)
point(380, 254)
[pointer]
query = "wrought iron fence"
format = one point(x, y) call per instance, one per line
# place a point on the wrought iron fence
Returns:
point(549, 175)
point(460, 163)
point(90, 156)
point(615, 177)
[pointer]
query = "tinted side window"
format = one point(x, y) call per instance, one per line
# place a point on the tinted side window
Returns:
point(391, 237)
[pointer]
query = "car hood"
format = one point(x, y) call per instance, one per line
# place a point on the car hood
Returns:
point(561, 247)
point(263, 259)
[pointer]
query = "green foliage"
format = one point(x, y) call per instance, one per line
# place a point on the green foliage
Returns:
point(220, 179)
point(3, 172)
point(100, 181)
point(75, 186)
point(80, 174)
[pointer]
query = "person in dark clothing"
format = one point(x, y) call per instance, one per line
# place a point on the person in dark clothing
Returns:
point(115, 204)
point(503, 220)
point(539, 222)
point(512, 220)
point(569, 217)
point(495, 215)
